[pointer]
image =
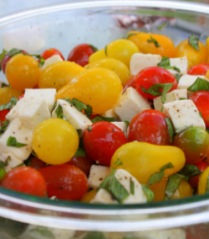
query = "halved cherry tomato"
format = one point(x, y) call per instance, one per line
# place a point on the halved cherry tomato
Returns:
point(201, 100)
point(25, 180)
point(152, 81)
point(3, 114)
point(149, 126)
point(200, 69)
point(65, 181)
point(81, 53)
point(51, 52)
point(101, 140)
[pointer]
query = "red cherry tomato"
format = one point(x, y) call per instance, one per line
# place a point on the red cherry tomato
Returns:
point(3, 114)
point(101, 140)
point(200, 69)
point(149, 126)
point(201, 100)
point(25, 180)
point(65, 181)
point(51, 52)
point(152, 81)
point(36, 163)
point(82, 162)
point(81, 53)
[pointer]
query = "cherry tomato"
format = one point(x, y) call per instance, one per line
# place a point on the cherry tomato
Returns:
point(51, 52)
point(82, 162)
point(65, 181)
point(6, 93)
point(200, 69)
point(101, 140)
point(97, 55)
point(36, 163)
point(25, 180)
point(149, 126)
point(194, 141)
point(3, 114)
point(151, 81)
point(81, 53)
point(22, 72)
point(184, 190)
point(201, 100)
point(55, 141)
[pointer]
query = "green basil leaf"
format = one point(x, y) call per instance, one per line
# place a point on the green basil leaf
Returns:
point(189, 170)
point(118, 162)
point(148, 192)
point(3, 126)
point(171, 130)
point(80, 106)
point(156, 177)
point(132, 187)
point(2, 173)
point(80, 152)
point(10, 104)
point(199, 84)
point(12, 141)
point(162, 26)
point(154, 41)
point(193, 42)
point(14, 51)
point(102, 118)
point(165, 63)
point(59, 112)
point(173, 184)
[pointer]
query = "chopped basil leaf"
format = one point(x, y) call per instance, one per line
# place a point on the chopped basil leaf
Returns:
point(165, 63)
point(170, 129)
point(173, 184)
point(148, 192)
point(3, 126)
point(102, 118)
point(207, 185)
point(2, 173)
point(189, 170)
point(41, 61)
point(162, 26)
point(156, 177)
point(14, 51)
point(130, 34)
point(154, 41)
point(59, 112)
point(178, 76)
point(132, 187)
point(199, 84)
point(80, 106)
point(80, 152)
point(10, 104)
point(12, 141)
point(118, 162)
point(193, 42)
point(115, 188)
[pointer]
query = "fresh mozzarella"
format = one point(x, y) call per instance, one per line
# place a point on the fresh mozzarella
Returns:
point(140, 61)
point(97, 174)
point(181, 63)
point(186, 80)
point(183, 114)
point(71, 114)
point(8, 159)
point(171, 96)
point(51, 60)
point(121, 125)
point(130, 103)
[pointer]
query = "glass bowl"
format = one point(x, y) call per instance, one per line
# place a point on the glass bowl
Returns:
point(99, 22)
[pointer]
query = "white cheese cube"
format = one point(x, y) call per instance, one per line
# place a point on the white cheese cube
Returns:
point(22, 134)
point(130, 103)
point(121, 125)
point(71, 114)
point(97, 174)
point(48, 95)
point(130, 183)
point(183, 114)
point(31, 112)
point(181, 63)
point(140, 61)
point(51, 60)
point(10, 160)
point(109, 113)
point(186, 80)
point(171, 96)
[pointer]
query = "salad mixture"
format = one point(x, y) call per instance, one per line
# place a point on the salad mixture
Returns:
point(123, 124)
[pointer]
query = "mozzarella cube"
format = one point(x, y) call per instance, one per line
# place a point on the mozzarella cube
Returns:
point(51, 60)
point(130, 103)
point(109, 113)
point(22, 134)
point(97, 174)
point(10, 160)
point(187, 80)
point(183, 114)
point(71, 114)
point(121, 125)
point(140, 61)
point(48, 95)
point(181, 63)
point(171, 96)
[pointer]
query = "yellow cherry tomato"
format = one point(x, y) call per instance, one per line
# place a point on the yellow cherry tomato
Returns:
point(87, 197)
point(115, 65)
point(55, 141)
point(203, 182)
point(121, 49)
point(97, 55)
point(144, 159)
point(59, 74)
point(22, 71)
point(184, 190)
point(153, 43)
point(98, 87)
point(6, 93)
point(193, 55)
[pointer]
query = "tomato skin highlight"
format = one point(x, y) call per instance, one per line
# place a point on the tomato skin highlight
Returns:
point(81, 53)
point(101, 140)
point(149, 126)
point(200, 69)
point(51, 52)
point(25, 180)
point(151, 76)
point(66, 182)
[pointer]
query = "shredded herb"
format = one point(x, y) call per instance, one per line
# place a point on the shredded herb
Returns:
point(165, 63)
point(132, 187)
point(189, 170)
point(118, 162)
point(10, 104)
point(148, 192)
point(80, 106)
point(154, 41)
point(3, 126)
point(173, 184)
point(199, 84)
point(102, 118)
point(194, 42)
point(170, 129)
point(59, 112)
point(12, 141)
point(80, 152)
